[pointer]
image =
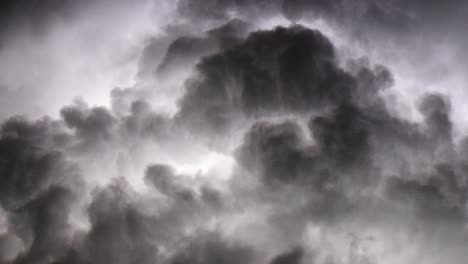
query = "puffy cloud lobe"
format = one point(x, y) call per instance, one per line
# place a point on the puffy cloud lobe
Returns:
point(278, 155)
point(45, 231)
point(96, 126)
point(435, 109)
point(90, 125)
point(274, 152)
point(185, 51)
point(344, 136)
point(125, 228)
point(41, 187)
point(143, 122)
point(29, 164)
point(165, 180)
point(341, 162)
point(35, 191)
point(120, 231)
point(292, 10)
point(285, 69)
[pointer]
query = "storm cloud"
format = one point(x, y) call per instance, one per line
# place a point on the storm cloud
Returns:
point(239, 132)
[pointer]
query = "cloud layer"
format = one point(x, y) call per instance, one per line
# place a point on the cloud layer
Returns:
point(235, 142)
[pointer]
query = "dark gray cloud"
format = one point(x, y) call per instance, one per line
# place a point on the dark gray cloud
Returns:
point(120, 232)
point(274, 152)
point(188, 50)
point(91, 126)
point(29, 163)
point(36, 192)
point(321, 160)
point(45, 228)
point(285, 69)
point(292, 257)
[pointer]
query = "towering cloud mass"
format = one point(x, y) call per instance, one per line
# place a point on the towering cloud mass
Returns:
point(250, 132)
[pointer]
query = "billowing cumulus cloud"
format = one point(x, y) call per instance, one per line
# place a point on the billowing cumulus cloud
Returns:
point(231, 132)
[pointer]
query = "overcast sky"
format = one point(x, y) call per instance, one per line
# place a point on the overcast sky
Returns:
point(233, 131)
